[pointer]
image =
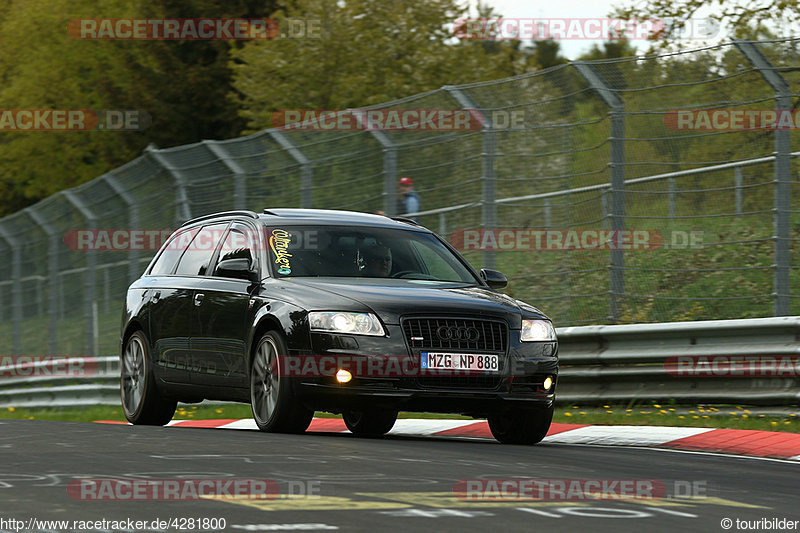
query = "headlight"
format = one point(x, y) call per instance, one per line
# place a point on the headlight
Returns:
point(354, 323)
point(537, 330)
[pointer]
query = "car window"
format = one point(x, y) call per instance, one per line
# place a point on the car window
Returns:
point(434, 261)
point(171, 252)
point(195, 259)
point(238, 244)
point(358, 251)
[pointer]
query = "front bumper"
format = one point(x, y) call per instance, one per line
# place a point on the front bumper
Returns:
point(518, 384)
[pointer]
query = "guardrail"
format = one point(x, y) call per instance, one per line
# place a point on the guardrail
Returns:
point(718, 361)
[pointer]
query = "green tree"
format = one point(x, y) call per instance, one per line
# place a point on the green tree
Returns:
point(748, 18)
point(365, 52)
point(182, 85)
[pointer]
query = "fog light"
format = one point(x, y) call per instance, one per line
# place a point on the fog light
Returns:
point(548, 382)
point(343, 376)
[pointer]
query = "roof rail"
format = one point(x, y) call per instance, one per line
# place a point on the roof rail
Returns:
point(242, 212)
point(406, 220)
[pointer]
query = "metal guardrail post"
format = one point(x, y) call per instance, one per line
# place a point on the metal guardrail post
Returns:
point(90, 275)
point(182, 198)
point(53, 242)
point(239, 185)
point(133, 222)
point(783, 170)
point(16, 289)
point(671, 188)
point(389, 165)
point(306, 170)
point(488, 171)
point(617, 214)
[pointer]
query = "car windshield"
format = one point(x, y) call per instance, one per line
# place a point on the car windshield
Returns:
point(357, 251)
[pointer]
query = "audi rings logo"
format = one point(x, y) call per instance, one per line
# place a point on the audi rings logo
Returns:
point(453, 333)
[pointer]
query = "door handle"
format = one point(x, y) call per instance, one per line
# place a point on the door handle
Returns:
point(198, 298)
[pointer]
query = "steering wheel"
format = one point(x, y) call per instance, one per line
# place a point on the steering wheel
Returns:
point(404, 273)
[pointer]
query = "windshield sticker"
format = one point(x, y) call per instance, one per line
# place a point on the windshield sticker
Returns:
point(279, 243)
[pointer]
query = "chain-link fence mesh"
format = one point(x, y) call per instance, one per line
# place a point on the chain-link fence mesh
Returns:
point(597, 146)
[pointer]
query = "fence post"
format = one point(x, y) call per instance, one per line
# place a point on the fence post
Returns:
point(53, 242)
point(389, 164)
point(180, 180)
point(547, 213)
point(133, 222)
point(306, 170)
point(488, 171)
point(91, 273)
point(239, 184)
point(617, 212)
point(671, 187)
point(16, 289)
point(783, 170)
point(737, 178)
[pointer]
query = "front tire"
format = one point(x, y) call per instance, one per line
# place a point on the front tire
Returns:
point(521, 426)
point(271, 396)
point(142, 402)
point(369, 423)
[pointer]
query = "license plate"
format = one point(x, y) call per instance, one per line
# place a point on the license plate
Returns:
point(459, 361)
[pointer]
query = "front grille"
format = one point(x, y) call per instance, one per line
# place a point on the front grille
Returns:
point(456, 334)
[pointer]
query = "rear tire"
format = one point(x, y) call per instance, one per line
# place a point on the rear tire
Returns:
point(272, 397)
point(521, 426)
point(142, 402)
point(369, 423)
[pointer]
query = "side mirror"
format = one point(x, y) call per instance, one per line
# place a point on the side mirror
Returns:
point(236, 268)
point(493, 278)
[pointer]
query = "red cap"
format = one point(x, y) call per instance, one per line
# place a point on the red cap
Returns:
point(406, 181)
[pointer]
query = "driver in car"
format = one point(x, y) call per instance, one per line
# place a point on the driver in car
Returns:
point(377, 261)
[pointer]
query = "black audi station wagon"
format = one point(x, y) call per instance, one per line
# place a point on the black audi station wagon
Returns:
point(302, 310)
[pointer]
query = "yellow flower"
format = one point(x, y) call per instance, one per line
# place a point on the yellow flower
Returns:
point(706, 416)
point(745, 416)
point(567, 414)
point(218, 410)
point(656, 406)
point(787, 423)
point(733, 412)
point(681, 416)
point(695, 417)
point(606, 406)
point(691, 412)
point(774, 423)
point(609, 411)
point(583, 412)
point(11, 409)
point(663, 411)
point(30, 418)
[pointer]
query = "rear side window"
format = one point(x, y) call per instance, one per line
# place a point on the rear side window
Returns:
point(171, 253)
point(195, 259)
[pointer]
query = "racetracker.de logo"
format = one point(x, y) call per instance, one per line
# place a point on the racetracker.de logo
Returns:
point(733, 366)
point(564, 29)
point(384, 119)
point(12, 366)
point(194, 29)
point(732, 119)
point(73, 120)
point(171, 489)
point(525, 239)
point(558, 489)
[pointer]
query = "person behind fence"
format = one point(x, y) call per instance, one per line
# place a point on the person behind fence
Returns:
point(377, 261)
point(407, 197)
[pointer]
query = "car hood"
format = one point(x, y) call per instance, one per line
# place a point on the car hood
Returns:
point(390, 298)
